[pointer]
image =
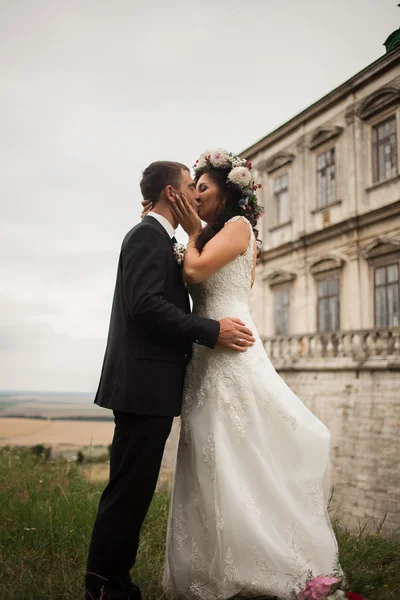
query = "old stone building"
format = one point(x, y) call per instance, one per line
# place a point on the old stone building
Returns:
point(326, 298)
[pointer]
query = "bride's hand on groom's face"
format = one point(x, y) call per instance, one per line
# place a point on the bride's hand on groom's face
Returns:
point(235, 335)
point(185, 214)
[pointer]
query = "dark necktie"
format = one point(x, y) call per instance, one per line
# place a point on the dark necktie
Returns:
point(174, 240)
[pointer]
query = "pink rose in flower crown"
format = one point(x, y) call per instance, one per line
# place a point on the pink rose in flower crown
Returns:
point(318, 588)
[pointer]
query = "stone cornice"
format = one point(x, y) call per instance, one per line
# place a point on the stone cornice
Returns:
point(324, 134)
point(279, 277)
point(351, 224)
point(377, 102)
point(326, 263)
point(275, 162)
point(376, 68)
point(380, 246)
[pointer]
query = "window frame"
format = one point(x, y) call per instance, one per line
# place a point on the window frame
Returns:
point(320, 152)
point(277, 197)
point(377, 263)
point(373, 146)
point(327, 275)
point(280, 289)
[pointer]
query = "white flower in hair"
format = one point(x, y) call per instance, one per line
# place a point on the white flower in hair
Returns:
point(203, 158)
point(202, 163)
point(238, 162)
point(240, 176)
point(220, 158)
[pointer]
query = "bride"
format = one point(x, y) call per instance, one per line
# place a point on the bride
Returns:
point(249, 508)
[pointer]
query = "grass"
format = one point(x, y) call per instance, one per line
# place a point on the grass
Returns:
point(46, 516)
point(371, 561)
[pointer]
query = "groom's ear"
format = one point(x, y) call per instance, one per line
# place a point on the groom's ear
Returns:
point(170, 193)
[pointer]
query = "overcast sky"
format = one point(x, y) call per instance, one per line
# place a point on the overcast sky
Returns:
point(92, 91)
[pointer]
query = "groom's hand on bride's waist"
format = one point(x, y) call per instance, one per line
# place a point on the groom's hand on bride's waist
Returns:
point(235, 335)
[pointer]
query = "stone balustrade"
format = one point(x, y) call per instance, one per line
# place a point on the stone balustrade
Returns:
point(358, 349)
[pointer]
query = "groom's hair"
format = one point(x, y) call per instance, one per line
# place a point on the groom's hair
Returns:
point(157, 176)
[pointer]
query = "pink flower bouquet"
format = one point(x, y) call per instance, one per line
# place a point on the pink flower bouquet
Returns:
point(326, 588)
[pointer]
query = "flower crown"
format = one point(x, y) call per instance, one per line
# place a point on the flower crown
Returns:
point(239, 176)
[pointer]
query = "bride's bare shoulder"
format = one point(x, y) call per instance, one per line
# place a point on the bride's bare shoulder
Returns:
point(238, 228)
point(239, 219)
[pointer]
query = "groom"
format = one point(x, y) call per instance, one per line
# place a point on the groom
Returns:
point(149, 344)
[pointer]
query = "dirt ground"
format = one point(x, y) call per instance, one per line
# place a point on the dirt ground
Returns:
point(67, 437)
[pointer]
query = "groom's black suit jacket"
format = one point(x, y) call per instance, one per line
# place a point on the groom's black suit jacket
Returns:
point(151, 329)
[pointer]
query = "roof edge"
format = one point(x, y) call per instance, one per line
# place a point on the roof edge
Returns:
point(381, 64)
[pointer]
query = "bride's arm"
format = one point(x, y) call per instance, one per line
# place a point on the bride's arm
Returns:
point(230, 242)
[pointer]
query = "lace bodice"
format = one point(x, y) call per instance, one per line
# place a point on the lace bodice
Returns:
point(227, 290)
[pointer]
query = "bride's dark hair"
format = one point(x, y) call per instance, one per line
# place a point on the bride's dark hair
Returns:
point(231, 209)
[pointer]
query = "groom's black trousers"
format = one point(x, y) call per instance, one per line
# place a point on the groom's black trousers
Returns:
point(136, 454)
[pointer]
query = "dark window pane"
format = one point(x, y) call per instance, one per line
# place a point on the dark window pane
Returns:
point(381, 132)
point(281, 302)
point(334, 313)
point(277, 321)
point(392, 273)
point(328, 305)
point(326, 188)
point(321, 162)
point(393, 305)
point(380, 276)
point(281, 183)
point(381, 162)
point(283, 207)
point(323, 287)
point(380, 307)
point(282, 200)
point(285, 321)
point(333, 287)
point(384, 150)
point(391, 126)
point(323, 315)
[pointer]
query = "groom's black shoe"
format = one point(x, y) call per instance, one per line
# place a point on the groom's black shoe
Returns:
point(131, 592)
point(134, 593)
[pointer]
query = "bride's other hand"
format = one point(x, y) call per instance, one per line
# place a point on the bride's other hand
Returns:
point(235, 335)
point(186, 216)
point(147, 207)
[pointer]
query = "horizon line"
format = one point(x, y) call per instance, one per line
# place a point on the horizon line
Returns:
point(30, 391)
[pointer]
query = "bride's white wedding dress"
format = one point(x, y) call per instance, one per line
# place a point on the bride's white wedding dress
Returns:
point(249, 506)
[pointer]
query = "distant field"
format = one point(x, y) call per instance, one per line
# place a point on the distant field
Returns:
point(28, 432)
point(68, 423)
point(54, 406)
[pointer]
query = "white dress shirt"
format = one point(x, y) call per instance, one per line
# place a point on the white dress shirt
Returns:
point(164, 222)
